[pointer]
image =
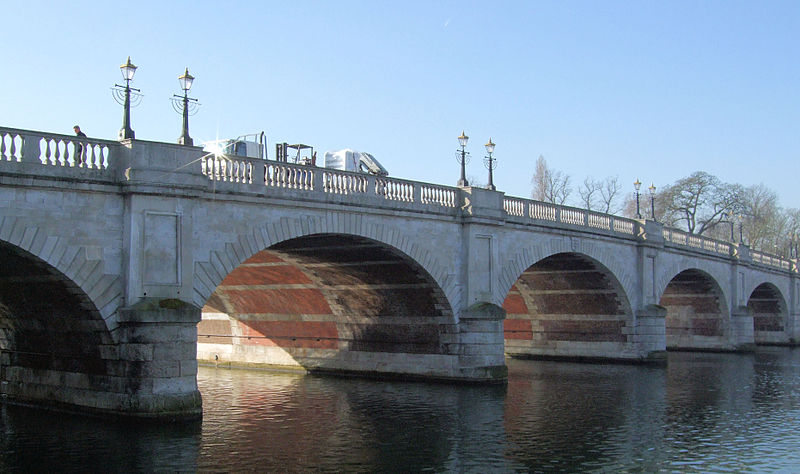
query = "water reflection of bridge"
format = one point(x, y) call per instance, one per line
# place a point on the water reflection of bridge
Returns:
point(109, 265)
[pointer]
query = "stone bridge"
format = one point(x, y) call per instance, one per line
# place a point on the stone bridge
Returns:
point(123, 266)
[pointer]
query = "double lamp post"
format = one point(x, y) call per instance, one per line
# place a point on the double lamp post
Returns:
point(462, 156)
point(128, 97)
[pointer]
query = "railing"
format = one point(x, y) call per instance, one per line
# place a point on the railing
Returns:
point(542, 211)
point(441, 195)
point(49, 149)
point(245, 171)
point(771, 260)
point(680, 237)
point(230, 170)
point(334, 182)
point(278, 175)
point(66, 151)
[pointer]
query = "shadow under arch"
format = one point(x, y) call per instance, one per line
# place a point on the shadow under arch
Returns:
point(697, 313)
point(327, 302)
point(770, 317)
point(52, 336)
point(568, 305)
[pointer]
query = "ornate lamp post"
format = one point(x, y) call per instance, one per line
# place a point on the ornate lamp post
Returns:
point(740, 218)
point(652, 189)
point(185, 105)
point(729, 217)
point(636, 186)
point(462, 156)
point(123, 96)
point(490, 163)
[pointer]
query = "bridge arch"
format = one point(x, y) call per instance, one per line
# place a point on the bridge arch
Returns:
point(770, 314)
point(716, 271)
point(568, 305)
point(82, 265)
point(222, 261)
point(698, 314)
point(778, 284)
point(326, 302)
point(604, 255)
point(53, 338)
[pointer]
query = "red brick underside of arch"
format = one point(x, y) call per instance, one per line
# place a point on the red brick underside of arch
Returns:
point(328, 292)
point(694, 311)
point(564, 298)
point(768, 314)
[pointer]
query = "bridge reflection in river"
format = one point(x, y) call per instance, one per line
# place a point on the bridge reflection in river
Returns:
point(706, 412)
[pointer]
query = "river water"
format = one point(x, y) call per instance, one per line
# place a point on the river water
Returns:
point(703, 412)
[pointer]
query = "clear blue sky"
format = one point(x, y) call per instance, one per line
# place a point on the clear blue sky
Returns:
point(635, 89)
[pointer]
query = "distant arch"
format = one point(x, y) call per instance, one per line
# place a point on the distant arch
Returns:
point(698, 315)
point(567, 305)
point(770, 314)
point(718, 273)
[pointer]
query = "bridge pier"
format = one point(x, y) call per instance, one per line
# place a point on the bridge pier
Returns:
point(158, 358)
point(481, 356)
point(149, 373)
point(649, 337)
point(742, 333)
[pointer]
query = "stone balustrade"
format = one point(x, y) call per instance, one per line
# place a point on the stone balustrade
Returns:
point(55, 151)
point(542, 211)
point(50, 149)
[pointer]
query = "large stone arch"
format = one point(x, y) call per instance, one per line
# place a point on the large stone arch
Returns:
point(698, 313)
point(324, 297)
point(757, 278)
point(568, 304)
point(209, 274)
point(82, 265)
point(53, 339)
point(622, 270)
point(719, 272)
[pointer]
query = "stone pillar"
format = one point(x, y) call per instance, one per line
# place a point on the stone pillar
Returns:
point(157, 353)
point(650, 334)
point(482, 214)
point(793, 307)
point(742, 332)
point(482, 357)
point(650, 244)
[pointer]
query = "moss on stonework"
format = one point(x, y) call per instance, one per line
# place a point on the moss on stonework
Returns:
point(171, 303)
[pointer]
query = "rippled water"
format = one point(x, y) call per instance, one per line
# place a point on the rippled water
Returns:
point(704, 412)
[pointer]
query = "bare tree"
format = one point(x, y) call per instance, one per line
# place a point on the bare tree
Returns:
point(763, 220)
point(549, 185)
point(609, 193)
point(699, 201)
point(588, 193)
point(791, 237)
point(475, 182)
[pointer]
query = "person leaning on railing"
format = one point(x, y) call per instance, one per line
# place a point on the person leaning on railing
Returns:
point(79, 157)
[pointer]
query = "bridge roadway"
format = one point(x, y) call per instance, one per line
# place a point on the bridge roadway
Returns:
point(121, 269)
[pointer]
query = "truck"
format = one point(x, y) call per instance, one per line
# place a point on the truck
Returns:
point(254, 146)
point(356, 161)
